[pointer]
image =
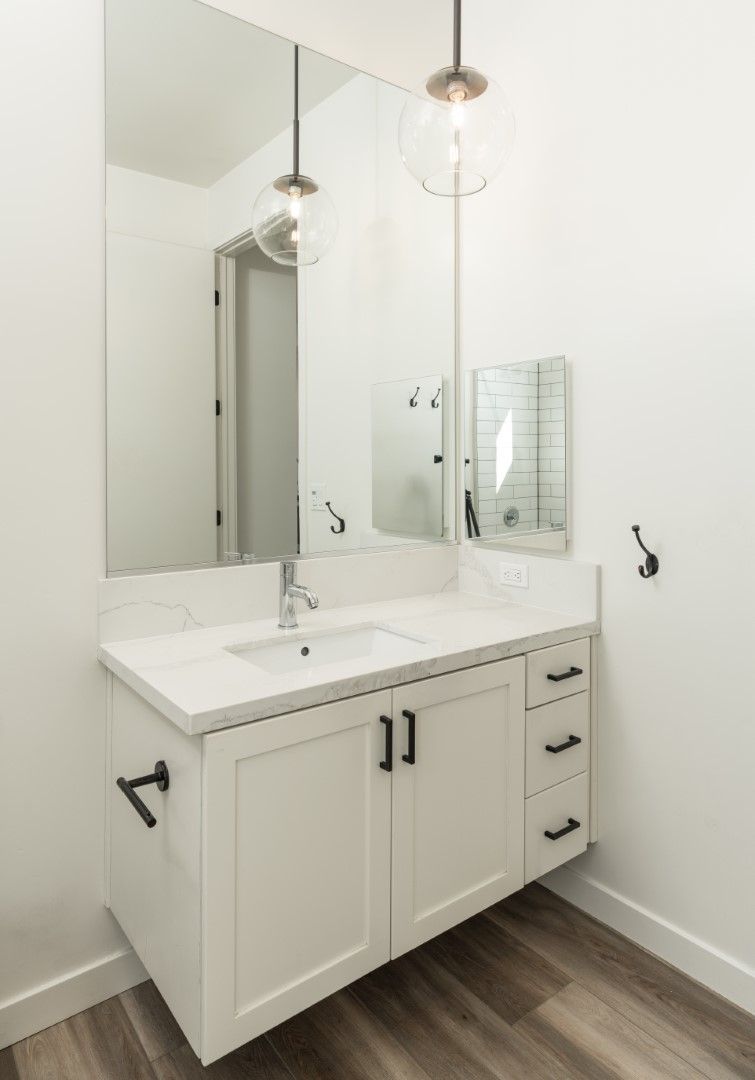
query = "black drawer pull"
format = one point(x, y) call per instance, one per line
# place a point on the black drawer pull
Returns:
point(388, 763)
point(410, 757)
point(573, 740)
point(159, 776)
point(570, 674)
point(573, 824)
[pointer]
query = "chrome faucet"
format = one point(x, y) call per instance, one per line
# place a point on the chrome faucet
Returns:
point(289, 591)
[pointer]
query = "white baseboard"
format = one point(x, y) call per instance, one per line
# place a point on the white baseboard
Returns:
point(702, 962)
point(61, 998)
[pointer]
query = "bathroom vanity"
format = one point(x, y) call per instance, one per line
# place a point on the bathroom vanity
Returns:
point(337, 794)
point(288, 809)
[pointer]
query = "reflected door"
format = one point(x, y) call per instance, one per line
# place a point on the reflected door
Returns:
point(267, 407)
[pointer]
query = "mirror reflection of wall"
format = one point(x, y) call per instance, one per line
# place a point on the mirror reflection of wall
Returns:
point(516, 453)
point(407, 456)
point(230, 426)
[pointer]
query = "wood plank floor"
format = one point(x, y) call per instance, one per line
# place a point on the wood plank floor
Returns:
point(532, 989)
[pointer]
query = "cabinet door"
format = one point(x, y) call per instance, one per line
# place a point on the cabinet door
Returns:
point(296, 870)
point(458, 810)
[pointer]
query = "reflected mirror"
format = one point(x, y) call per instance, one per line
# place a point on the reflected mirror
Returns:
point(515, 454)
point(255, 410)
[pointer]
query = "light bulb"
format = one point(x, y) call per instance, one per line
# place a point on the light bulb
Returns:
point(457, 114)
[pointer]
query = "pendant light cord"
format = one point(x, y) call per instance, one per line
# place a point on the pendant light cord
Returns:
point(296, 110)
point(457, 34)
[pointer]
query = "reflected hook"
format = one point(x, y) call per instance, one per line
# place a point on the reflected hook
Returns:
point(413, 399)
point(341, 523)
point(435, 404)
point(650, 569)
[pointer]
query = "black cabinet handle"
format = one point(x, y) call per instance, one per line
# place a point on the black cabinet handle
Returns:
point(573, 824)
point(388, 763)
point(410, 758)
point(159, 776)
point(573, 740)
point(570, 674)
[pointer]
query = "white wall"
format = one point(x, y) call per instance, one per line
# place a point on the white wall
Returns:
point(161, 483)
point(139, 204)
point(622, 234)
point(53, 924)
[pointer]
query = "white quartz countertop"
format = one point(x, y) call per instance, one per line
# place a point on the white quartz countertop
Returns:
point(197, 683)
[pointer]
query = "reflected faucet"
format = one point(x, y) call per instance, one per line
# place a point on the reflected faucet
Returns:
point(289, 592)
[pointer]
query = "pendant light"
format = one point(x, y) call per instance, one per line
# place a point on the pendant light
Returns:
point(457, 129)
point(293, 219)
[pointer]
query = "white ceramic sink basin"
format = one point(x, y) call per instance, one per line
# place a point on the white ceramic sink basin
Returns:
point(305, 652)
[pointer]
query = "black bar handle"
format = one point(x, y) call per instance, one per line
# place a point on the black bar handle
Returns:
point(573, 740)
point(410, 757)
point(388, 763)
point(573, 824)
point(570, 674)
point(160, 777)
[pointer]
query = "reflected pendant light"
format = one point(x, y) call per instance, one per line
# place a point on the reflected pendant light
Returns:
point(293, 219)
point(457, 129)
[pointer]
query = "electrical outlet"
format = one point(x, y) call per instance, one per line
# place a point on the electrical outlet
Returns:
point(317, 496)
point(516, 574)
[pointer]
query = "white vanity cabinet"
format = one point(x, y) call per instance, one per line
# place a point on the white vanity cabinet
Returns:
point(559, 740)
point(296, 864)
point(294, 854)
point(458, 798)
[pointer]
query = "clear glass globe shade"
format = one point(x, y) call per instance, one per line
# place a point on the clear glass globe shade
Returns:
point(294, 221)
point(456, 131)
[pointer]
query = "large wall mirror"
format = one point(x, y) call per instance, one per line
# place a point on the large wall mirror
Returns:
point(515, 444)
point(255, 410)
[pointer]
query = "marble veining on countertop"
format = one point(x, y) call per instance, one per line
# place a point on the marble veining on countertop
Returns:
point(194, 680)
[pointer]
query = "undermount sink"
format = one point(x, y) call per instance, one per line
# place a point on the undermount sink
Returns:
point(304, 652)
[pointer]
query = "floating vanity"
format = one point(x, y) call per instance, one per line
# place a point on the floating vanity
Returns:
point(337, 794)
point(289, 809)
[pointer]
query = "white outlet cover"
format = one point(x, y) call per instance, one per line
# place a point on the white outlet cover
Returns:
point(317, 496)
point(516, 575)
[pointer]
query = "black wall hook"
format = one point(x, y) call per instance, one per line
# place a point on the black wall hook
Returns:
point(435, 404)
point(651, 562)
point(413, 399)
point(341, 523)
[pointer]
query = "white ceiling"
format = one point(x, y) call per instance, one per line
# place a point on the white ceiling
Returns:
point(192, 91)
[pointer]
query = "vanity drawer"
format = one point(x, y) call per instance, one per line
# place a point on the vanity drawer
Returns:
point(555, 811)
point(557, 742)
point(558, 672)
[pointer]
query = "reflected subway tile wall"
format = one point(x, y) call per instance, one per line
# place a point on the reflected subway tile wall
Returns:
point(507, 406)
point(520, 435)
